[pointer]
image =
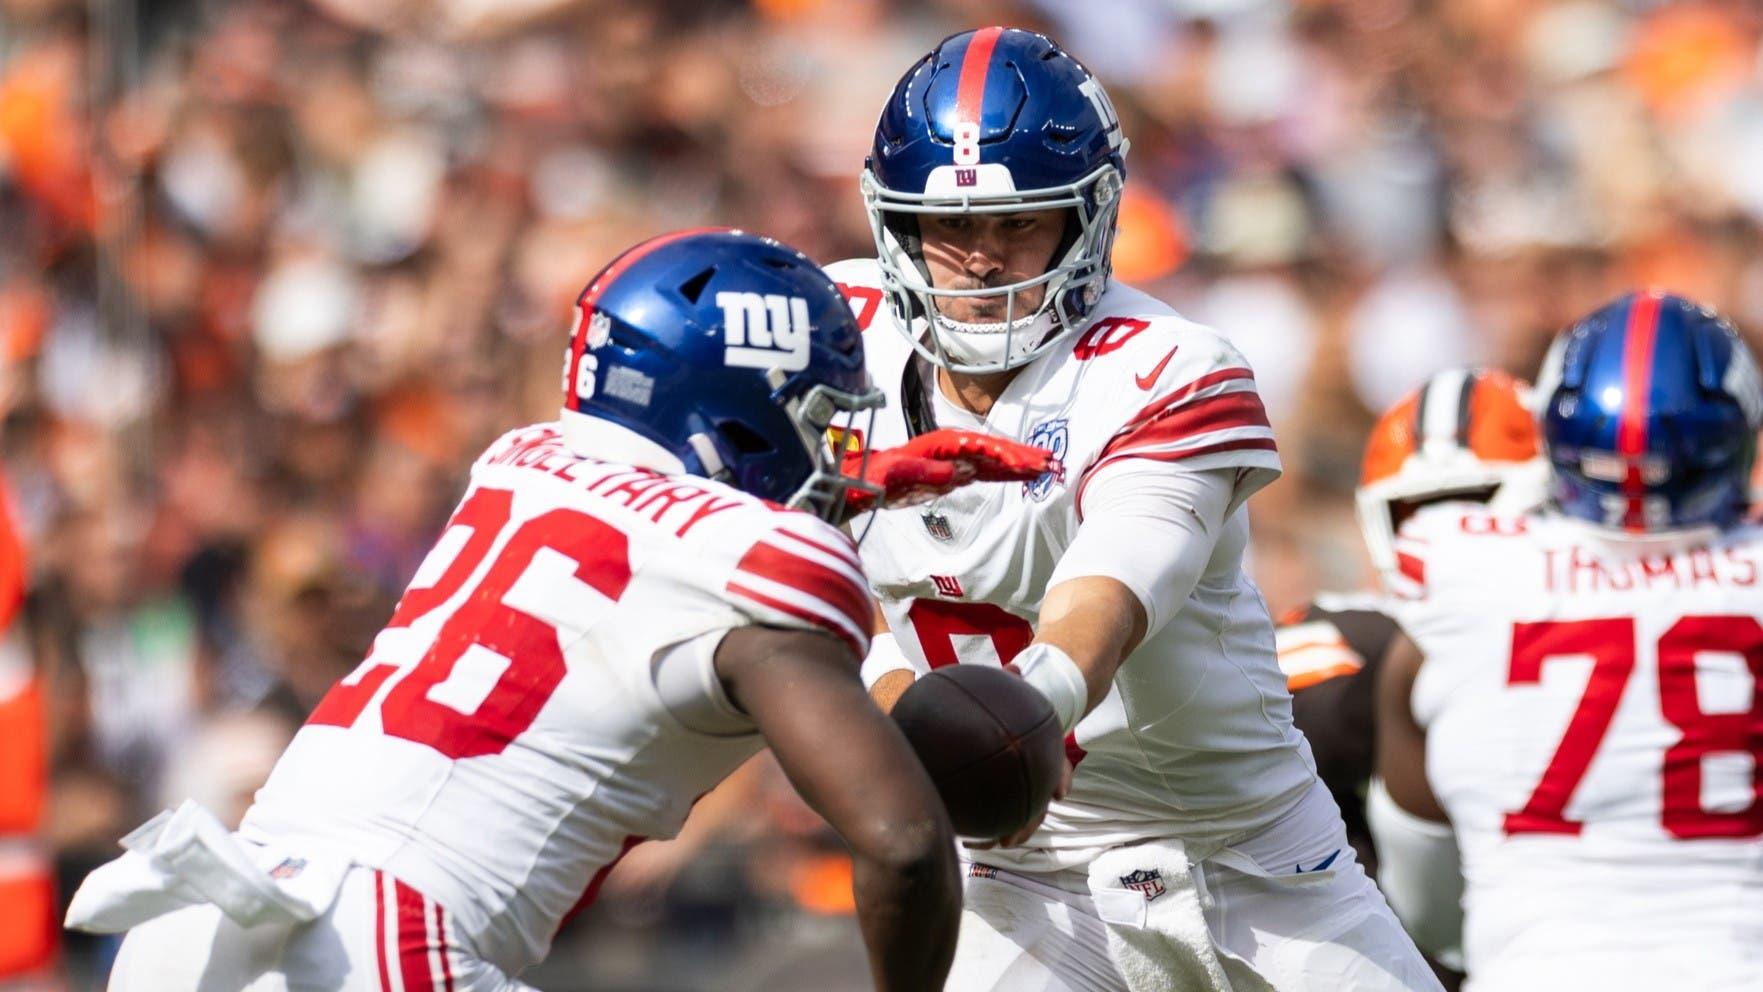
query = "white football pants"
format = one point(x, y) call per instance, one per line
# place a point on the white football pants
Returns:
point(379, 936)
point(1325, 929)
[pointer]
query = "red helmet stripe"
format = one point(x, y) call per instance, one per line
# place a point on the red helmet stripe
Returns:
point(585, 303)
point(1637, 374)
point(971, 91)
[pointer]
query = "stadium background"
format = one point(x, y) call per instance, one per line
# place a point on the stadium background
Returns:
point(271, 271)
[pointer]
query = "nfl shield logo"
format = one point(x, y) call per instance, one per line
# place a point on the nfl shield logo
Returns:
point(1147, 881)
point(1055, 436)
point(599, 330)
point(289, 868)
point(938, 525)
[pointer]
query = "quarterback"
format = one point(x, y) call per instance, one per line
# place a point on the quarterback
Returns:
point(627, 604)
point(1196, 845)
point(1579, 689)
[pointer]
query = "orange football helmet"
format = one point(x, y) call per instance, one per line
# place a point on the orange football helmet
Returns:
point(1464, 434)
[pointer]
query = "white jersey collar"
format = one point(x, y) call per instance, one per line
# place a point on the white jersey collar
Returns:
point(595, 437)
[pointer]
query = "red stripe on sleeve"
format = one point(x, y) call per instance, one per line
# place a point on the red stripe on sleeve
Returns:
point(1215, 413)
point(971, 90)
point(1169, 419)
point(810, 577)
point(1162, 404)
point(858, 648)
point(845, 552)
point(413, 940)
point(1246, 444)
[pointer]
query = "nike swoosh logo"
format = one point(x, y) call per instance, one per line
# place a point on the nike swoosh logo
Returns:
point(1318, 866)
point(1147, 381)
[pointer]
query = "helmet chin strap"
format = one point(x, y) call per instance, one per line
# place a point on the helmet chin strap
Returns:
point(975, 342)
point(985, 326)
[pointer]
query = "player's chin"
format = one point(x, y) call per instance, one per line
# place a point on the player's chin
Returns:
point(969, 311)
point(979, 310)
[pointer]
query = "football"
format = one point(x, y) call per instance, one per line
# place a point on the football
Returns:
point(991, 743)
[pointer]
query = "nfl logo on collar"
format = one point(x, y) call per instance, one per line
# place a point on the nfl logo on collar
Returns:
point(938, 525)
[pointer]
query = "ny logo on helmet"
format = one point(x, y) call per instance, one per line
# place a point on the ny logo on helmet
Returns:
point(1104, 109)
point(764, 331)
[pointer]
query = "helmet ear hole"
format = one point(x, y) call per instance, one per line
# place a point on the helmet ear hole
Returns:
point(743, 439)
point(1074, 229)
point(693, 288)
point(904, 227)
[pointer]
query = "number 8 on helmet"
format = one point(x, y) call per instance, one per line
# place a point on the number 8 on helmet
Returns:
point(995, 121)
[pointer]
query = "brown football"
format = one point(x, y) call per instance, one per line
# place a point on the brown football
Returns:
point(991, 743)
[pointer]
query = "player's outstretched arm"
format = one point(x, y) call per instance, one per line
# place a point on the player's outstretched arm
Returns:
point(850, 763)
point(1147, 536)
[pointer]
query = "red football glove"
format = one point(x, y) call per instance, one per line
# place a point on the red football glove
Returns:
point(932, 464)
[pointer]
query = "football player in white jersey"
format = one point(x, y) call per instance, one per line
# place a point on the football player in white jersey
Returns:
point(1464, 436)
point(1579, 689)
point(1196, 845)
point(627, 604)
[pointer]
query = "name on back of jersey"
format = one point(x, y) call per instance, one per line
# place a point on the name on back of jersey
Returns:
point(1580, 570)
point(683, 504)
point(1568, 566)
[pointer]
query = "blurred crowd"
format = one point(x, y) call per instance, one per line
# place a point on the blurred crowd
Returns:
point(272, 271)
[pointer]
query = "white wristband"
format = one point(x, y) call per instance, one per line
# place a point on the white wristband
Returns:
point(884, 656)
point(1052, 671)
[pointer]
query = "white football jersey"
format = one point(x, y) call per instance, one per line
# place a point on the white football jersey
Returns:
point(1195, 739)
point(508, 737)
point(1594, 720)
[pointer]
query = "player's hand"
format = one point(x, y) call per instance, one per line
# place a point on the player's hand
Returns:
point(1060, 791)
point(934, 463)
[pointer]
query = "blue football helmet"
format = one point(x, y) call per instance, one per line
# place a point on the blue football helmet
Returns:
point(1650, 410)
point(997, 120)
point(727, 355)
